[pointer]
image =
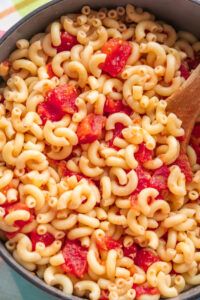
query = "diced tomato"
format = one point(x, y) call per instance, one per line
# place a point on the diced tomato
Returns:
point(145, 258)
point(63, 171)
point(46, 238)
point(10, 207)
point(183, 163)
point(144, 178)
point(50, 111)
point(104, 295)
point(107, 243)
point(130, 251)
point(67, 42)
point(90, 129)
point(144, 289)
point(66, 94)
point(181, 138)
point(159, 178)
point(21, 223)
point(143, 182)
point(143, 154)
point(58, 102)
point(50, 70)
point(185, 73)
point(75, 257)
point(117, 132)
point(173, 272)
point(118, 52)
point(113, 106)
point(188, 65)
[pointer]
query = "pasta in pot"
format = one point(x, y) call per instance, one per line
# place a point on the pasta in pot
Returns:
point(96, 197)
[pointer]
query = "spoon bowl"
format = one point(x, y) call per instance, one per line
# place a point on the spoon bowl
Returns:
point(185, 103)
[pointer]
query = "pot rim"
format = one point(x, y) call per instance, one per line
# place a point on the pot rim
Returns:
point(40, 8)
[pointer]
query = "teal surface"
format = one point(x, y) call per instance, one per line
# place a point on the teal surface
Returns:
point(14, 287)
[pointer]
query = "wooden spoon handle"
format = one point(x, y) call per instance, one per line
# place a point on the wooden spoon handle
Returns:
point(185, 103)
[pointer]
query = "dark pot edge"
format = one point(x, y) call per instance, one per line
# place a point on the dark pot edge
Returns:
point(34, 279)
point(44, 6)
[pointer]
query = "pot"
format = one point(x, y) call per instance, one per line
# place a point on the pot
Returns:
point(183, 14)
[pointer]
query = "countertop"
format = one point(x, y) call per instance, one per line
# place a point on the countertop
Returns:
point(15, 287)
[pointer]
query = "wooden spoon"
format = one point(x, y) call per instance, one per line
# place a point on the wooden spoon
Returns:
point(185, 103)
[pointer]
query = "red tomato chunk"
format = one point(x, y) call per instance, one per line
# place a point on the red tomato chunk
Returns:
point(185, 73)
point(63, 171)
point(118, 52)
point(130, 251)
point(46, 238)
point(159, 179)
point(144, 289)
point(75, 258)
point(143, 178)
point(143, 154)
point(16, 206)
point(114, 106)
point(145, 258)
point(90, 129)
point(188, 65)
point(107, 243)
point(117, 132)
point(67, 42)
point(50, 70)
point(104, 295)
point(58, 102)
point(183, 163)
point(143, 182)
point(181, 138)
